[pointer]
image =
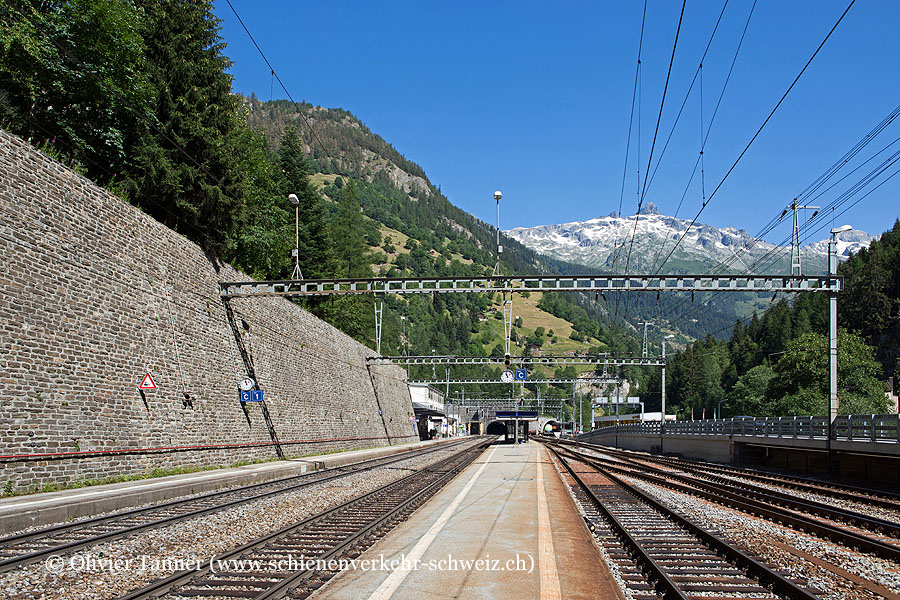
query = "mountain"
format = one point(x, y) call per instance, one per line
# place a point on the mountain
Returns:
point(594, 243)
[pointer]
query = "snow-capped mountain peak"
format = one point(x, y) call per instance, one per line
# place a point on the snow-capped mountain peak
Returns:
point(593, 243)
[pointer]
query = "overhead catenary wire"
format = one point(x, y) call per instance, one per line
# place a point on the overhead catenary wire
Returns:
point(634, 101)
point(662, 105)
point(755, 135)
point(767, 259)
point(809, 233)
point(705, 137)
point(281, 83)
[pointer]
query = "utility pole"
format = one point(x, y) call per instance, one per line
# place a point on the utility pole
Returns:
point(832, 347)
point(796, 266)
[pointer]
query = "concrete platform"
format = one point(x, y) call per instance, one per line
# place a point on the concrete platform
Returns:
point(510, 510)
point(19, 512)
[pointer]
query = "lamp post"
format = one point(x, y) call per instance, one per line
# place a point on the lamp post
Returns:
point(296, 251)
point(832, 345)
point(662, 421)
point(403, 342)
point(497, 196)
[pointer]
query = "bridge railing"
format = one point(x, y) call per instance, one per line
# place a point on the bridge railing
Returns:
point(855, 428)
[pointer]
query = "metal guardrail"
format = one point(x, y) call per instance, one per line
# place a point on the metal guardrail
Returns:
point(853, 428)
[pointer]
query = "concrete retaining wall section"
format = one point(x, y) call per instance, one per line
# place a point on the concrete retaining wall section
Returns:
point(94, 294)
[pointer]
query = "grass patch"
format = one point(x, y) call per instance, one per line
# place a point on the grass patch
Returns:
point(8, 489)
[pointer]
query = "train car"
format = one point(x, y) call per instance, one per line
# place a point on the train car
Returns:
point(552, 429)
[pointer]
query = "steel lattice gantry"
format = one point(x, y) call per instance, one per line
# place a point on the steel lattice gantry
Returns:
point(560, 283)
point(594, 380)
point(486, 402)
point(600, 360)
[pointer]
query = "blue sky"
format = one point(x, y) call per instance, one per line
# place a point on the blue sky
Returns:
point(533, 98)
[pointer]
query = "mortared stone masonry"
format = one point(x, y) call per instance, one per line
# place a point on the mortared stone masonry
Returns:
point(94, 294)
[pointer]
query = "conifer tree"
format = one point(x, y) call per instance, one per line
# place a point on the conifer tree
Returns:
point(186, 171)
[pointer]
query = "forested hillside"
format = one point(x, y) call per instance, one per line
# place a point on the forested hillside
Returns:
point(137, 97)
point(777, 364)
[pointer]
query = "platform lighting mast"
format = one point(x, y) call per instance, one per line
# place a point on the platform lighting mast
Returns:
point(296, 251)
point(497, 196)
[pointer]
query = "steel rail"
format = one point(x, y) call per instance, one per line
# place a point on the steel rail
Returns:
point(303, 480)
point(780, 584)
point(163, 586)
point(862, 495)
point(752, 506)
point(669, 587)
point(758, 493)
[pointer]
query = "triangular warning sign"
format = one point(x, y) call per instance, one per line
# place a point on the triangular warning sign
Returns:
point(147, 383)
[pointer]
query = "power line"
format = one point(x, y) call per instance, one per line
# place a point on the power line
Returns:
point(761, 127)
point(634, 94)
point(662, 104)
point(274, 74)
point(704, 137)
point(767, 259)
point(687, 95)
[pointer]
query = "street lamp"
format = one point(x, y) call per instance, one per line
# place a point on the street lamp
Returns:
point(497, 196)
point(832, 343)
point(403, 343)
point(296, 251)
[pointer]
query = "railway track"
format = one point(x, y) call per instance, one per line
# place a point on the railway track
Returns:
point(661, 553)
point(30, 547)
point(285, 562)
point(882, 499)
point(847, 528)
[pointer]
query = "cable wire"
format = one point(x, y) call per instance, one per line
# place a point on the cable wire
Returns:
point(755, 135)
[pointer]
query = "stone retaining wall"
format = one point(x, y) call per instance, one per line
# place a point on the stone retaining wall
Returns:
point(94, 294)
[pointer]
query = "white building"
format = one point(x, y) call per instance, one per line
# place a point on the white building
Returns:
point(428, 404)
point(426, 397)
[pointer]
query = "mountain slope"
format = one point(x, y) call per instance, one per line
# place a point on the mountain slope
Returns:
point(593, 243)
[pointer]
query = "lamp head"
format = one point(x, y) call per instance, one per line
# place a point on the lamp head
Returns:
point(497, 195)
point(293, 198)
point(841, 229)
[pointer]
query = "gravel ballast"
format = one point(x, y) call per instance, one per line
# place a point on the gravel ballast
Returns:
point(111, 569)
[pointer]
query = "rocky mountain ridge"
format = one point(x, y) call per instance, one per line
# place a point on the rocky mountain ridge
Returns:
point(603, 244)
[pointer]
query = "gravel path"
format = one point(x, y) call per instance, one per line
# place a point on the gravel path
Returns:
point(111, 569)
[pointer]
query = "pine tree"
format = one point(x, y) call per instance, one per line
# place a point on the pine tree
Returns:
point(186, 171)
point(353, 257)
